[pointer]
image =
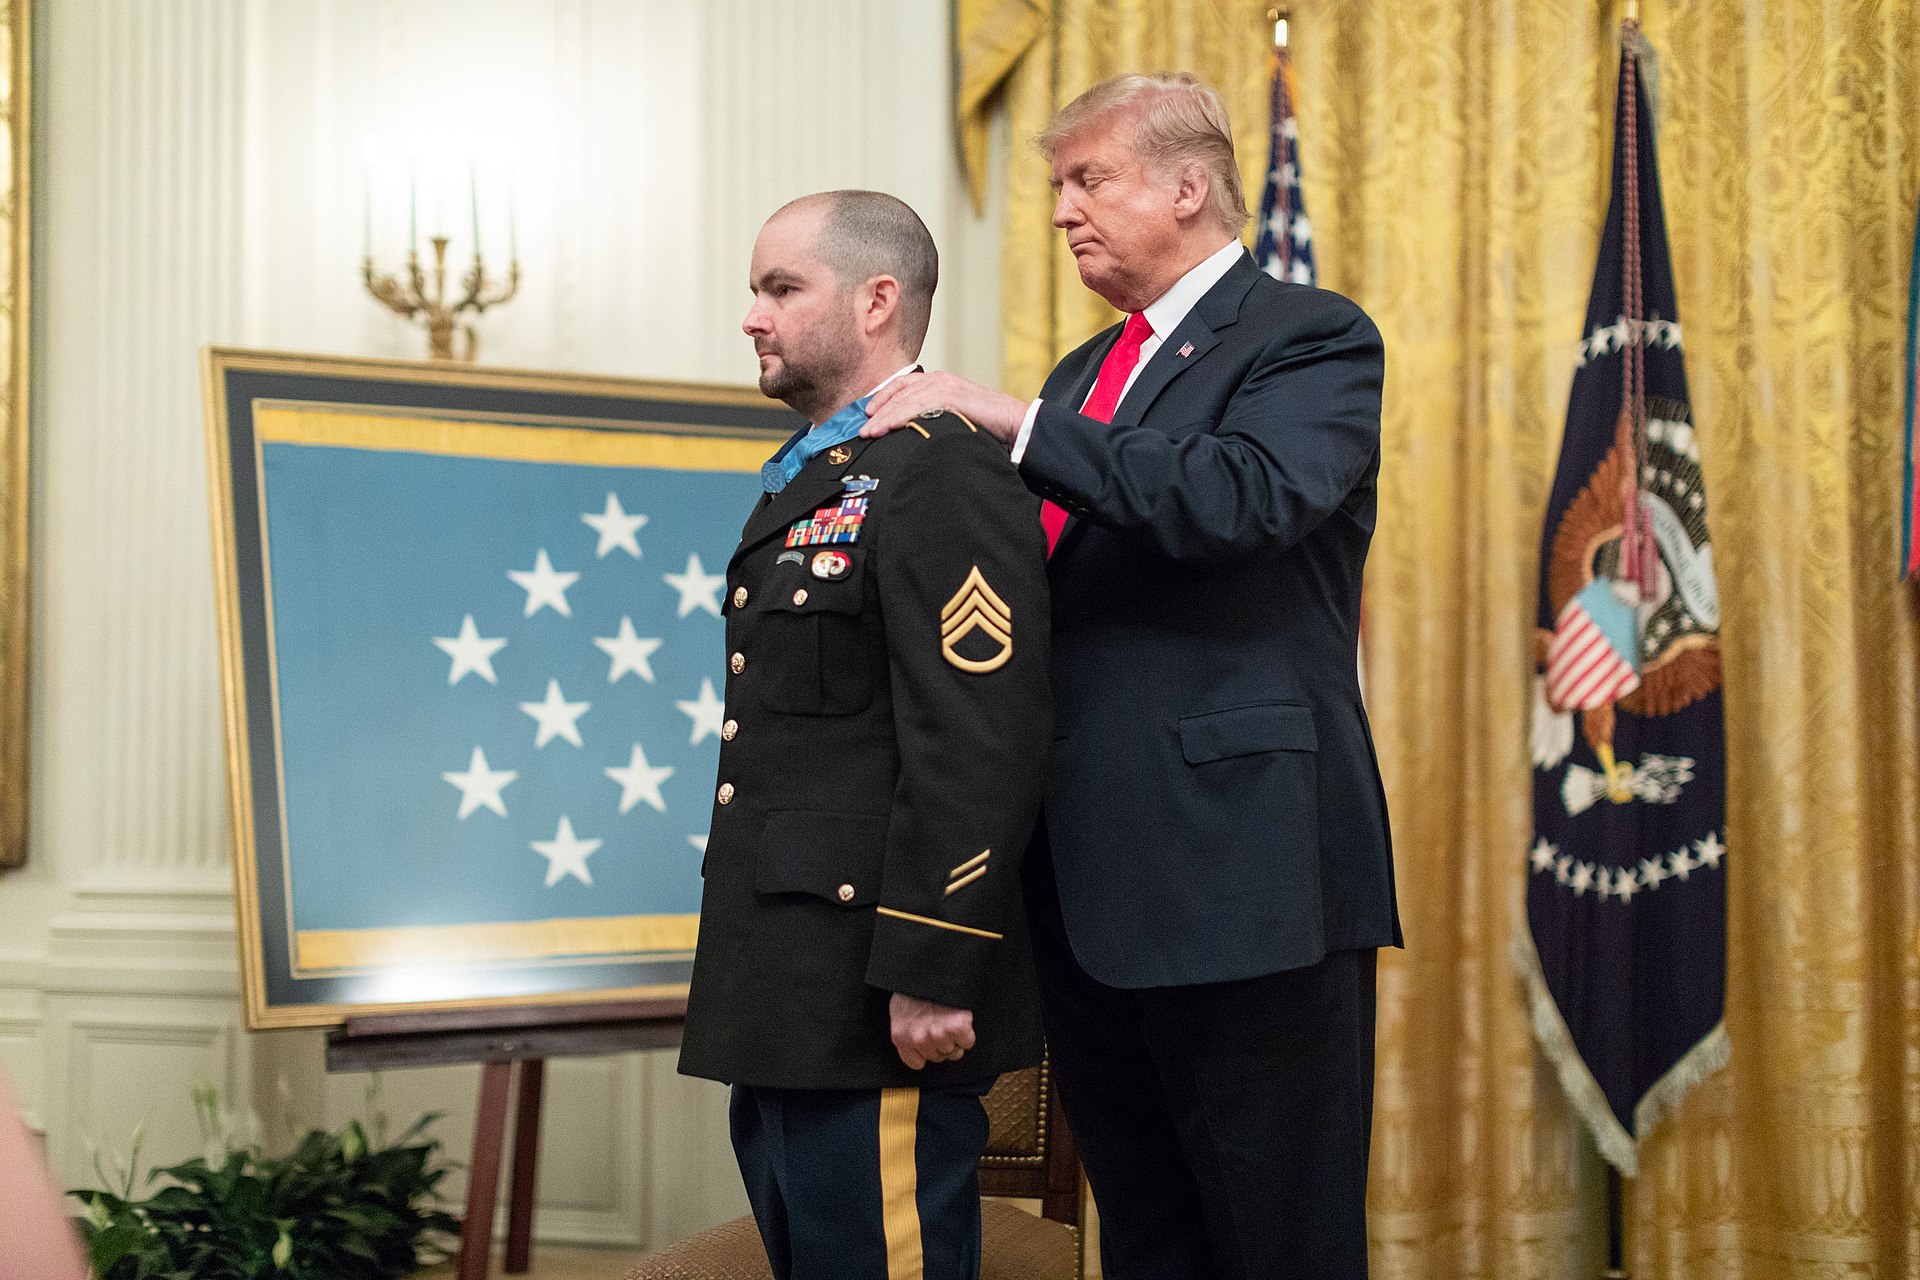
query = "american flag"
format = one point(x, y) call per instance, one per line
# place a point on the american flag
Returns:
point(1284, 247)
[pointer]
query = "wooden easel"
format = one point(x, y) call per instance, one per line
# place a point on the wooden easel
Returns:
point(499, 1039)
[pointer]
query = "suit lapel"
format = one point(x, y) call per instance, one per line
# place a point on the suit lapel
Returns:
point(817, 484)
point(1218, 308)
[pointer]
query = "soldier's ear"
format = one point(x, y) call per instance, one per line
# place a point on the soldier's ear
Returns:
point(879, 304)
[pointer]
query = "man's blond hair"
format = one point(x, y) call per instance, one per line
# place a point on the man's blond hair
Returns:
point(1179, 120)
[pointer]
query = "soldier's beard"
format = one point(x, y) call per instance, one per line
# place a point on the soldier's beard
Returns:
point(813, 379)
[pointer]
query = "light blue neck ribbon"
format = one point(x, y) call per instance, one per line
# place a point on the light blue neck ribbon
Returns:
point(843, 426)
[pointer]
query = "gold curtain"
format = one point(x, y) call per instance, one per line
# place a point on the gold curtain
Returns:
point(1455, 157)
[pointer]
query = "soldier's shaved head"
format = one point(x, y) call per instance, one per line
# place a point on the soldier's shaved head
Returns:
point(864, 234)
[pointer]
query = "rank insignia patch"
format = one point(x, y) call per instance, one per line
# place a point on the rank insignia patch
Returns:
point(976, 627)
point(838, 523)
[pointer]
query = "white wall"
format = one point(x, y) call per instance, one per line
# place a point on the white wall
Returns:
point(202, 175)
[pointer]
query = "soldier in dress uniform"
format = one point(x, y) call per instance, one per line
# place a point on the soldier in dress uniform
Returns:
point(863, 972)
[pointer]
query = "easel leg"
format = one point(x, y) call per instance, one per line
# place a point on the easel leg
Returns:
point(526, 1158)
point(483, 1174)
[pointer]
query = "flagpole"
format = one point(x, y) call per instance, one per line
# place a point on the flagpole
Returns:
point(1616, 1226)
point(1280, 16)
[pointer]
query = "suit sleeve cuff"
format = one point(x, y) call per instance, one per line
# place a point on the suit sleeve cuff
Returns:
point(1026, 433)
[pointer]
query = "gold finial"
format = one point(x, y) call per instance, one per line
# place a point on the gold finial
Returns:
point(1633, 11)
point(1279, 16)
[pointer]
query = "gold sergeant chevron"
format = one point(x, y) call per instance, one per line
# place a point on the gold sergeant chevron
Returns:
point(976, 607)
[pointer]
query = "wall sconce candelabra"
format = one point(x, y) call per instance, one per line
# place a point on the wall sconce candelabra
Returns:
point(421, 293)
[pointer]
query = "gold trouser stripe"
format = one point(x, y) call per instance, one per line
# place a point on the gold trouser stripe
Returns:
point(900, 1183)
point(938, 924)
point(967, 879)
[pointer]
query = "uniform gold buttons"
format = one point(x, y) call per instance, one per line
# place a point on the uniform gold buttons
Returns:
point(800, 596)
point(846, 893)
point(726, 793)
point(737, 663)
point(739, 597)
point(728, 729)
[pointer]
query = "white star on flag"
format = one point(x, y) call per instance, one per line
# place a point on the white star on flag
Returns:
point(630, 652)
point(698, 842)
point(698, 589)
point(616, 528)
point(556, 717)
point(705, 712)
point(480, 785)
point(472, 653)
point(1708, 851)
point(544, 587)
point(640, 781)
point(1543, 855)
point(566, 854)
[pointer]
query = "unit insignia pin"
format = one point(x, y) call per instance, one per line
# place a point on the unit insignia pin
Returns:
point(831, 564)
point(839, 455)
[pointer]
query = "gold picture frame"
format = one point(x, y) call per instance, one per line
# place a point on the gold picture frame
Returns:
point(15, 211)
point(334, 695)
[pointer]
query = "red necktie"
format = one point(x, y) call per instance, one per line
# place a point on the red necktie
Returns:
point(1112, 380)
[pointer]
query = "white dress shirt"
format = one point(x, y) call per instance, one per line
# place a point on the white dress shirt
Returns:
point(1164, 315)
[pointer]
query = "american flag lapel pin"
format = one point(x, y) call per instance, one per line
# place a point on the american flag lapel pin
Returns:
point(1186, 350)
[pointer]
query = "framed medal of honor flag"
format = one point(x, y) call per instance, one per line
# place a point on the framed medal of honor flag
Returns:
point(471, 648)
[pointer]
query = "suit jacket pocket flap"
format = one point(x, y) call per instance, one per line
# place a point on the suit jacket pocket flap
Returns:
point(836, 856)
point(1245, 731)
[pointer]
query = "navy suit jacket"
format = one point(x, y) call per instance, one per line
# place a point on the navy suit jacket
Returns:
point(1214, 809)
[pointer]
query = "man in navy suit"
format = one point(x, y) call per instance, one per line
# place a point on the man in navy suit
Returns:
point(1213, 875)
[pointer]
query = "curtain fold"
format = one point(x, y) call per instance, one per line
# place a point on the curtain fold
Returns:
point(1455, 155)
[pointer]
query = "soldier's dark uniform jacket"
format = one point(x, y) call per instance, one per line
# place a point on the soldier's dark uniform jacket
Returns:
point(882, 762)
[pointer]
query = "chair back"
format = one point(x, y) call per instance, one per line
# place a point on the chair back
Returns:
point(1030, 1153)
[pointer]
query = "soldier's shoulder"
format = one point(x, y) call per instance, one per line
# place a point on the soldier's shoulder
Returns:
point(940, 424)
point(934, 438)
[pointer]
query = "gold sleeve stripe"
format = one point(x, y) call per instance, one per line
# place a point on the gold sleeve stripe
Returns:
point(924, 435)
point(900, 1183)
point(939, 924)
point(967, 879)
point(970, 863)
point(975, 588)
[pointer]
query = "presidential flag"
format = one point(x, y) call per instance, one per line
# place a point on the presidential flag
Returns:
point(1283, 245)
point(1910, 489)
point(1624, 955)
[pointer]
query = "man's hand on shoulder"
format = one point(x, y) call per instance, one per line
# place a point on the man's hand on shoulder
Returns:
point(908, 396)
point(926, 1032)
